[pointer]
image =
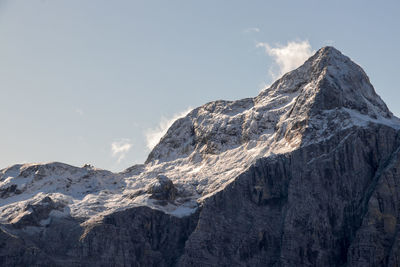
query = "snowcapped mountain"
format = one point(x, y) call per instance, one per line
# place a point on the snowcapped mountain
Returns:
point(313, 145)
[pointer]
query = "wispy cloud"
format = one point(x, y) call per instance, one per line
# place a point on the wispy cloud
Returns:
point(249, 30)
point(120, 148)
point(79, 111)
point(154, 135)
point(287, 57)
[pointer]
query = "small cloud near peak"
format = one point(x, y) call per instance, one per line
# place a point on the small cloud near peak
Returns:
point(287, 57)
point(120, 148)
point(79, 111)
point(154, 135)
point(249, 30)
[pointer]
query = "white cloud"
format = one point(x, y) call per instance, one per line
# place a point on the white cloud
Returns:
point(287, 57)
point(120, 148)
point(79, 111)
point(249, 30)
point(154, 135)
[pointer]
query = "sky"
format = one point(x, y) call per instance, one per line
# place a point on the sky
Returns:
point(99, 82)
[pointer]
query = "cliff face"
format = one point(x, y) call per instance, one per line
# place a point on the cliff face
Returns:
point(305, 174)
point(134, 237)
point(329, 204)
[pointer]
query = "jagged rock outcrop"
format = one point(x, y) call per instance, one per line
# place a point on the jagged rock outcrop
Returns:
point(305, 174)
point(162, 189)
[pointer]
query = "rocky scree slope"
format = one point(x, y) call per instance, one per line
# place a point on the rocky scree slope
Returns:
point(304, 174)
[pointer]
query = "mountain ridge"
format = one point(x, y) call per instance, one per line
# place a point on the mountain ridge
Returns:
point(203, 151)
point(297, 173)
point(318, 65)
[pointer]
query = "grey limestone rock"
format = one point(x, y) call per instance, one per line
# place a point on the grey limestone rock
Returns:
point(162, 189)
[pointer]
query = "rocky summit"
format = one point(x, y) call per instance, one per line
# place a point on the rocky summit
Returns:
point(307, 173)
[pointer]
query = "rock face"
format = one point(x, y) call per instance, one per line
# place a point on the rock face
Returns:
point(317, 206)
point(305, 174)
point(163, 189)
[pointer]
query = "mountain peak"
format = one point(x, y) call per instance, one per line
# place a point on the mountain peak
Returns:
point(204, 151)
point(329, 51)
point(320, 128)
point(329, 56)
point(330, 80)
point(344, 84)
point(305, 174)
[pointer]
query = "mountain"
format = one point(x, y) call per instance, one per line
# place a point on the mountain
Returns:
point(307, 173)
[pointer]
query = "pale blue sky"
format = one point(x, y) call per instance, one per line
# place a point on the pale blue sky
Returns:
point(77, 76)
